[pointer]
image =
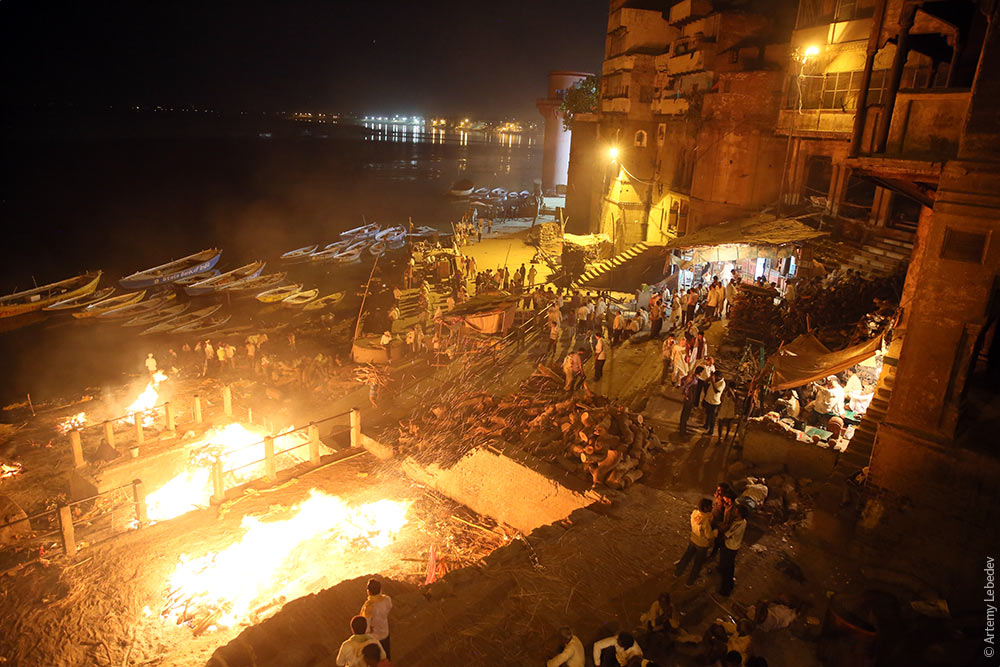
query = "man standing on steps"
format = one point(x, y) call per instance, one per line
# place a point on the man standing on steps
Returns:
point(689, 386)
point(573, 368)
point(713, 398)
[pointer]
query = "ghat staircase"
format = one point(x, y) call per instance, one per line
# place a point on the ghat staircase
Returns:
point(859, 451)
point(881, 255)
point(626, 269)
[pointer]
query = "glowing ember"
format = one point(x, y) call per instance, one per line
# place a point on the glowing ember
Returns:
point(146, 401)
point(79, 420)
point(9, 470)
point(276, 561)
point(241, 450)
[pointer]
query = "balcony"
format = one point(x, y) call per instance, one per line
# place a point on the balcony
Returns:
point(926, 124)
point(692, 61)
point(688, 10)
point(671, 106)
point(618, 64)
point(816, 121)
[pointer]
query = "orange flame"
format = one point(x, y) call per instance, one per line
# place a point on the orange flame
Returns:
point(146, 401)
point(279, 560)
point(73, 422)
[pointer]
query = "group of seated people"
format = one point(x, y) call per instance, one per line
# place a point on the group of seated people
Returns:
point(726, 643)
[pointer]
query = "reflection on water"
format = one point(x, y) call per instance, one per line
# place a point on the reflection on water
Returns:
point(123, 204)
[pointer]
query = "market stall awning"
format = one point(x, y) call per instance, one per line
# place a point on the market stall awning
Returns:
point(760, 230)
point(806, 359)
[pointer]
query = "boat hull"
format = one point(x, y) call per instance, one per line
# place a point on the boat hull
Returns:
point(143, 280)
point(14, 309)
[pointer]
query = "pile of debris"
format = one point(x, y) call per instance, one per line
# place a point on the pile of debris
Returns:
point(589, 436)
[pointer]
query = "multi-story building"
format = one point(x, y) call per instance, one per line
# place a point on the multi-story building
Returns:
point(689, 100)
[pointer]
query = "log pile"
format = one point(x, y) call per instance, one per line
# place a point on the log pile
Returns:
point(587, 435)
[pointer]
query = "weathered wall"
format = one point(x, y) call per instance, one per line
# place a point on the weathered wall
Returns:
point(767, 449)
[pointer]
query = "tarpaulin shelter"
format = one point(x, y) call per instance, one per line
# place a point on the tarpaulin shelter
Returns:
point(805, 359)
point(485, 314)
point(760, 236)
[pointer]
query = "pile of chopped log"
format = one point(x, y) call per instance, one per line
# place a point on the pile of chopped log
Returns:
point(587, 435)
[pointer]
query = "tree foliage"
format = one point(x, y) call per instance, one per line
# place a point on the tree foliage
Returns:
point(582, 97)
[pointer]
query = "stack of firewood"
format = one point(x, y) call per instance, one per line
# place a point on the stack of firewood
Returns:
point(587, 435)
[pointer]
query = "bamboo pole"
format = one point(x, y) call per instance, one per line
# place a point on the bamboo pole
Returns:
point(357, 328)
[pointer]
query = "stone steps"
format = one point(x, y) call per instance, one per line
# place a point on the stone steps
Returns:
point(598, 269)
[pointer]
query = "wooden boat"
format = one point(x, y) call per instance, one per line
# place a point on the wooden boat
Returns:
point(278, 293)
point(498, 192)
point(299, 254)
point(197, 278)
point(377, 248)
point(329, 252)
point(423, 232)
point(481, 192)
point(181, 320)
point(328, 301)
point(461, 188)
point(27, 301)
point(395, 240)
point(139, 308)
point(107, 305)
point(224, 280)
point(80, 301)
point(300, 298)
point(361, 232)
point(199, 262)
point(351, 253)
point(389, 231)
point(156, 316)
point(203, 326)
point(255, 285)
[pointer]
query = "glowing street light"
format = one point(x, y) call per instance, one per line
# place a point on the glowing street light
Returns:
point(613, 153)
point(810, 52)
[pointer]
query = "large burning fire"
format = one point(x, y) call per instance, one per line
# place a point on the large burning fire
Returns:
point(277, 561)
point(73, 422)
point(241, 450)
point(146, 401)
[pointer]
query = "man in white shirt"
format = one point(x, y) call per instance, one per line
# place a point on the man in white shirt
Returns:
point(572, 654)
point(600, 355)
point(731, 291)
point(826, 402)
point(151, 364)
point(350, 651)
point(702, 534)
point(376, 611)
point(727, 557)
point(386, 342)
point(555, 333)
point(620, 648)
point(713, 398)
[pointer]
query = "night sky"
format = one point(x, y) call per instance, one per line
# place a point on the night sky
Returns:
point(487, 59)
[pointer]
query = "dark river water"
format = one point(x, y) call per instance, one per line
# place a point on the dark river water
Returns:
point(122, 193)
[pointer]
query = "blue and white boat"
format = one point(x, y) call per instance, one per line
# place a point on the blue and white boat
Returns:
point(164, 274)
